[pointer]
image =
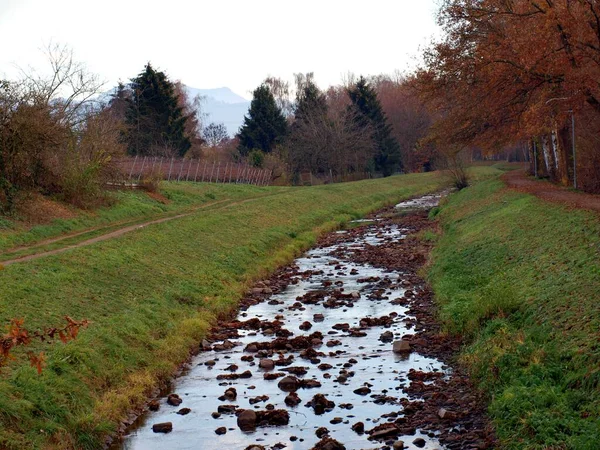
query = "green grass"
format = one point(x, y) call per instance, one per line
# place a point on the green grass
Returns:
point(520, 278)
point(152, 294)
point(129, 207)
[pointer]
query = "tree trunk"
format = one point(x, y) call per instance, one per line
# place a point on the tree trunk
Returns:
point(563, 141)
point(548, 163)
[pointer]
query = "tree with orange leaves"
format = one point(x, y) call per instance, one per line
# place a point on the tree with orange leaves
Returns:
point(513, 70)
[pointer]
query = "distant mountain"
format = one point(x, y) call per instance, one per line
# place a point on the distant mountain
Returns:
point(223, 94)
point(222, 105)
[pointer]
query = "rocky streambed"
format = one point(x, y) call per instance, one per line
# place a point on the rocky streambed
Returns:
point(338, 350)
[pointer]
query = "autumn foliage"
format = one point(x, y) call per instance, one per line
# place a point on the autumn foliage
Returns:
point(513, 71)
point(18, 336)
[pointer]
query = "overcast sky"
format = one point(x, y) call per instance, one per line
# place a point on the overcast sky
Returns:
point(209, 44)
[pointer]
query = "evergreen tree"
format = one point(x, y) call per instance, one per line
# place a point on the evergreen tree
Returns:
point(364, 99)
point(154, 118)
point(264, 126)
point(310, 101)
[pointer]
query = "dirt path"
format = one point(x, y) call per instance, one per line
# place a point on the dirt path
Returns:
point(112, 234)
point(520, 181)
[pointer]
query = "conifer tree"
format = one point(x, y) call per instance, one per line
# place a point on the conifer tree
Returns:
point(310, 101)
point(264, 126)
point(369, 113)
point(154, 119)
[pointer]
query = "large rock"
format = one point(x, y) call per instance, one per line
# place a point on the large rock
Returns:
point(174, 400)
point(246, 420)
point(328, 443)
point(401, 347)
point(289, 384)
point(165, 427)
point(266, 364)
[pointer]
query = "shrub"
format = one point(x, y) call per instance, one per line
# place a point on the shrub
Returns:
point(256, 158)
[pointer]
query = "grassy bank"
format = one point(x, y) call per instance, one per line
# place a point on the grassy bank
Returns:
point(129, 207)
point(151, 295)
point(521, 279)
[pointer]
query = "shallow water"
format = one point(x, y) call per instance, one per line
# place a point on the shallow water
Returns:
point(376, 364)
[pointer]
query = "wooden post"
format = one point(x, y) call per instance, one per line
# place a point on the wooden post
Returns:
point(180, 170)
point(142, 169)
point(132, 166)
point(212, 171)
point(170, 168)
point(187, 177)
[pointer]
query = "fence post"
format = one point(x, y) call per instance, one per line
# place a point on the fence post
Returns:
point(187, 175)
point(132, 166)
point(180, 170)
point(142, 169)
point(196, 176)
point(170, 168)
point(212, 171)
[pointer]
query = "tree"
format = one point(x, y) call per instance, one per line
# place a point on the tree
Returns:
point(54, 137)
point(408, 116)
point(369, 114)
point(310, 101)
point(192, 111)
point(264, 126)
point(281, 92)
point(156, 121)
point(322, 140)
point(215, 134)
point(510, 71)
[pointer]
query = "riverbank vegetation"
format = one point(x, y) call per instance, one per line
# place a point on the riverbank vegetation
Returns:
point(519, 278)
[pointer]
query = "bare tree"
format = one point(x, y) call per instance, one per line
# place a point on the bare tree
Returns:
point(67, 89)
point(215, 134)
point(54, 135)
point(281, 91)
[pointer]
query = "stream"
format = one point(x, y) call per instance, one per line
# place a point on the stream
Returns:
point(350, 328)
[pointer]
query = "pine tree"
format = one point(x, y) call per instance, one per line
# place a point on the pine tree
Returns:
point(264, 126)
point(310, 101)
point(364, 99)
point(153, 116)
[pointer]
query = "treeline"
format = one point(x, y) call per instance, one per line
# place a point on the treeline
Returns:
point(519, 73)
point(60, 135)
point(369, 126)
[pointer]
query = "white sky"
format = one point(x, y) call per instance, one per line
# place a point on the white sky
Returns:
point(209, 44)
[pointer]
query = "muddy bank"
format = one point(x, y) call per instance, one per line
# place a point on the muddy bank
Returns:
point(338, 350)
